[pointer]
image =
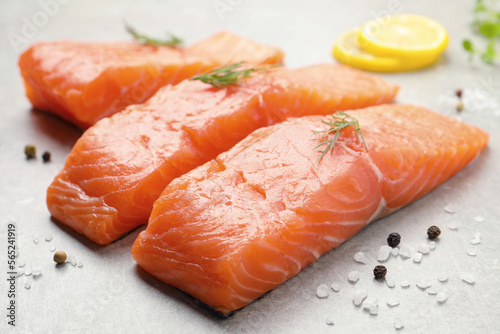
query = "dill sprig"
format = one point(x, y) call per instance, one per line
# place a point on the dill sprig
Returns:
point(227, 75)
point(339, 121)
point(172, 41)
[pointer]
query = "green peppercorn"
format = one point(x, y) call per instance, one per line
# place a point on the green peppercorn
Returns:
point(433, 232)
point(379, 272)
point(393, 239)
point(30, 151)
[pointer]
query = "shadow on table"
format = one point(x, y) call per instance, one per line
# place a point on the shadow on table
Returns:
point(54, 127)
point(181, 297)
point(124, 243)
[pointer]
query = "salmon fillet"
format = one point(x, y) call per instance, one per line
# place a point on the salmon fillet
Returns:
point(83, 82)
point(120, 166)
point(243, 223)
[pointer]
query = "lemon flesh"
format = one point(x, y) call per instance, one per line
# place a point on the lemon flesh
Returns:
point(403, 35)
point(348, 51)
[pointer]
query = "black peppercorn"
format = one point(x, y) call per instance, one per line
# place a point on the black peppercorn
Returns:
point(379, 272)
point(46, 156)
point(458, 93)
point(433, 232)
point(393, 239)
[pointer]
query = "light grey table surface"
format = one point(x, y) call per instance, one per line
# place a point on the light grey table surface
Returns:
point(110, 294)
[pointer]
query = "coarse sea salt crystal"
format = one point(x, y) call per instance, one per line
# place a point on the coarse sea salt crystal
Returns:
point(371, 305)
point(35, 240)
point(383, 253)
point(19, 272)
point(322, 291)
point(335, 287)
point(37, 271)
point(389, 280)
point(449, 208)
point(71, 259)
point(369, 302)
point(21, 264)
point(405, 284)
point(359, 296)
point(80, 264)
point(424, 248)
point(417, 257)
point(443, 278)
point(353, 276)
point(432, 245)
point(479, 219)
point(395, 251)
point(398, 323)
point(52, 248)
point(472, 252)
point(393, 302)
point(453, 226)
point(27, 270)
point(27, 285)
point(329, 321)
point(404, 252)
point(477, 239)
point(360, 257)
point(422, 284)
point(469, 278)
point(432, 292)
point(441, 297)
point(48, 237)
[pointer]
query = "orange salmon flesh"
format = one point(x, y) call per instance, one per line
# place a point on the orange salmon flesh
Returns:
point(83, 82)
point(120, 166)
point(242, 224)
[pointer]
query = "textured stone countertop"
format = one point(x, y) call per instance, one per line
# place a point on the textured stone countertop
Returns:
point(111, 294)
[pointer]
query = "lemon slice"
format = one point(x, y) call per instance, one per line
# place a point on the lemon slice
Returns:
point(347, 51)
point(403, 35)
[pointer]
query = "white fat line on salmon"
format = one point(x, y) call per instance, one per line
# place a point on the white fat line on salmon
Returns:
point(425, 182)
point(245, 287)
point(261, 101)
point(342, 223)
point(276, 269)
point(286, 256)
point(333, 239)
point(245, 271)
point(374, 167)
point(312, 252)
point(454, 152)
point(403, 192)
point(381, 211)
point(317, 235)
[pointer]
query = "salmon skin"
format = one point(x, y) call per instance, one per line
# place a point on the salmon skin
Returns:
point(120, 166)
point(83, 82)
point(245, 222)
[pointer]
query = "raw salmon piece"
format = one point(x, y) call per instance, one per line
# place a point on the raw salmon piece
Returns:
point(83, 82)
point(120, 166)
point(243, 223)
